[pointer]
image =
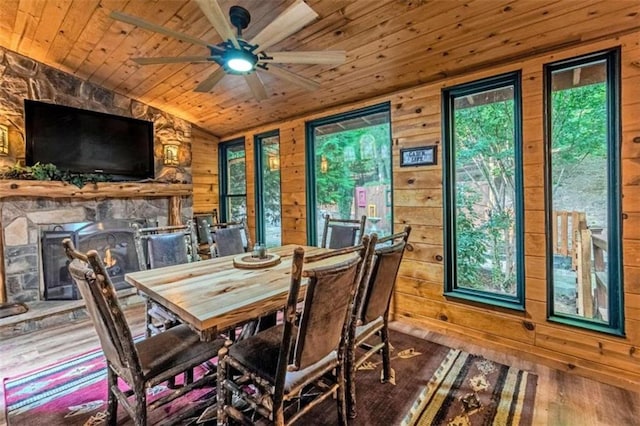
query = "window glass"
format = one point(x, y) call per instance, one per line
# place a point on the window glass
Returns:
point(582, 184)
point(484, 190)
point(351, 169)
point(268, 198)
point(233, 181)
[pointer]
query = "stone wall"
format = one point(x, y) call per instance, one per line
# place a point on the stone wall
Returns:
point(24, 78)
point(21, 218)
point(24, 218)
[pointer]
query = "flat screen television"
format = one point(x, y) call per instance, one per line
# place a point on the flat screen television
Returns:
point(85, 141)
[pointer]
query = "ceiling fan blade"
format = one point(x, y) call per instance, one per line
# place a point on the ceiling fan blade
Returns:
point(256, 86)
point(156, 28)
point(291, 20)
point(171, 60)
point(317, 57)
point(293, 78)
point(218, 19)
point(207, 84)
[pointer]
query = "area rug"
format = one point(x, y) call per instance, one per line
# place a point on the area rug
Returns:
point(74, 392)
point(471, 390)
point(430, 376)
point(433, 385)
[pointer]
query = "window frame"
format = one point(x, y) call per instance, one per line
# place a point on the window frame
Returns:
point(612, 58)
point(259, 183)
point(310, 182)
point(223, 185)
point(449, 94)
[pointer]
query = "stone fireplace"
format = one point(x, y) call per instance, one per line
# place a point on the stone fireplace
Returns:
point(114, 240)
point(33, 228)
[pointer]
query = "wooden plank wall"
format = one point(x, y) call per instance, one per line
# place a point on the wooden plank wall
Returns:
point(416, 120)
point(292, 175)
point(204, 164)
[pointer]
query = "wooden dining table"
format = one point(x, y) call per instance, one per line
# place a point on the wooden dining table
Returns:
point(213, 295)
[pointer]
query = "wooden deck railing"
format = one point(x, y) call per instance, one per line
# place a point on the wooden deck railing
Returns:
point(572, 238)
point(601, 294)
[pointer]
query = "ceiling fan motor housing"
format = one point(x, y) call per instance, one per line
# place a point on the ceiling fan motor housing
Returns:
point(240, 18)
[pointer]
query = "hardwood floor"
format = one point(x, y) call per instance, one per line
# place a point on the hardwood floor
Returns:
point(561, 399)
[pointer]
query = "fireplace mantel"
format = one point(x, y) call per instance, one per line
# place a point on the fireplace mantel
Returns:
point(61, 190)
point(50, 189)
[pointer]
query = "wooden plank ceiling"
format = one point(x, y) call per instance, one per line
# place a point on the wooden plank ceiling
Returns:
point(390, 45)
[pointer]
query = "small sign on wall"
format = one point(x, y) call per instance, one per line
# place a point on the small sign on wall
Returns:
point(420, 156)
point(362, 196)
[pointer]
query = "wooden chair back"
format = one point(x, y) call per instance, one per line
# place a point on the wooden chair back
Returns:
point(203, 227)
point(230, 238)
point(329, 296)
point(340, 233)
point(377, 287)
point(166, 245)
point(99, 294)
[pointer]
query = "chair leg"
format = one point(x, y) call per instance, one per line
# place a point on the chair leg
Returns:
point(278, 415)
point(171, 383)
point(224, 397)
point(386, 356)
point(148, 319)
point(141, 406)
point(341, 400)
point(350, 382)
point(112, 399)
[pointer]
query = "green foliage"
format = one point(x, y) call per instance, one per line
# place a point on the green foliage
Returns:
point(579, 128)
point(470, 244)
point(485, 176)
point(271, 182)
point(350, 163)
point(236, 183)
point(485, 166)
point(335, 185)
point(52, 173)
point(237, 171)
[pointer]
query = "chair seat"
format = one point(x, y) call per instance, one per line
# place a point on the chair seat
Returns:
point(259, 353)
point(175, 349)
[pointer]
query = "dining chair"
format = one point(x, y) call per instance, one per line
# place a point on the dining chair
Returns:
point(370, 313)
point(230, 238)
point(339, 233)
point(283, 361)
point(140, 365)
point(158, 247)
point(203, 223)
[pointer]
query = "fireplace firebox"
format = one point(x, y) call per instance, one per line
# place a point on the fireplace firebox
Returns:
point(114, 240)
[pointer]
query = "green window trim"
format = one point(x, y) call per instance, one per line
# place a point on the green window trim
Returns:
point(310, 154)
point(451, 289)
point(259, 183)
point(615, 323)
point(224, 196)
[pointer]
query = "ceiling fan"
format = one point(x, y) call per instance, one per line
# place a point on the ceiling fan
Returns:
point(238, 56)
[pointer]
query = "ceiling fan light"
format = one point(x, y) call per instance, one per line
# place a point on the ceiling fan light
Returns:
point(239, 64)
point(239, 61)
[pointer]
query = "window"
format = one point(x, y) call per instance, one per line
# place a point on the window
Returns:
point(583, 200)
point(268, 206)
point(483, 191)
point(233, 181)
point(349, 173)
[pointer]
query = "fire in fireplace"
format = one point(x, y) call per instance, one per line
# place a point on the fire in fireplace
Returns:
point(113, 240)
